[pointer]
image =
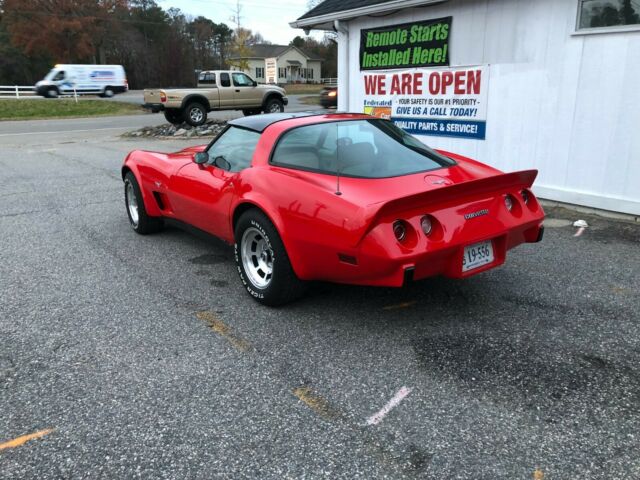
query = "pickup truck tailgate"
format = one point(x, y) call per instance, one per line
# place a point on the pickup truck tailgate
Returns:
point(152, 96)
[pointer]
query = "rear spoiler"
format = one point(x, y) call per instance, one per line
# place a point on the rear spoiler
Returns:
point(449, 194)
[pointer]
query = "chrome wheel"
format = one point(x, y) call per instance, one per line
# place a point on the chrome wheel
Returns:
point(132, 204)
point(275, 108)
point(196, 115)
point(257, 257)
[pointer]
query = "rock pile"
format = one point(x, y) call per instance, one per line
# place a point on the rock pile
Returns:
point(167, 130)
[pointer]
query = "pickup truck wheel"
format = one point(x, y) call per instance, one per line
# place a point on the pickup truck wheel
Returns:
point(274, 105)
point(174, 116)
point(195, 114)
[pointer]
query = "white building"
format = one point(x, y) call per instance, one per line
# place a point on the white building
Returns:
point(281, 64)
point(559, 90)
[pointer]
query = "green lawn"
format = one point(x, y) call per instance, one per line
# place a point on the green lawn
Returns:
point(302, 88)
point(34, 109)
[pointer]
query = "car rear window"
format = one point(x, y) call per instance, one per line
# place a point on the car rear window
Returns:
point(371, 148)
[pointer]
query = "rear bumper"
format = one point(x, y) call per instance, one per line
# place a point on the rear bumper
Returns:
point(379, 261)
point(154, 107)
point(445, 261)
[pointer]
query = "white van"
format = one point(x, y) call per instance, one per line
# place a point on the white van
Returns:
point(103, 80)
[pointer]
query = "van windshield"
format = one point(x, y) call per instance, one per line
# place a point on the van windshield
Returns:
point(55, 75)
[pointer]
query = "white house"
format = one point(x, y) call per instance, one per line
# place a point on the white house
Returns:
point(548, 84)
point(282, 64)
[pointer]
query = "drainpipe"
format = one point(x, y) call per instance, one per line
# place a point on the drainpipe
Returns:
point(343, 64)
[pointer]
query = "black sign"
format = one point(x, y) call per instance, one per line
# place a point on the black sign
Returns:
point(415, 44)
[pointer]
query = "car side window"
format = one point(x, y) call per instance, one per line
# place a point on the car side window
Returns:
point(207, 78)
point(241, 80)
point(225, 81)
point(236, 146)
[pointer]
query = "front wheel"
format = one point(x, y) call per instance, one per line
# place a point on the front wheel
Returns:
point(138, 218)
point(274, 105)
point(262, 261)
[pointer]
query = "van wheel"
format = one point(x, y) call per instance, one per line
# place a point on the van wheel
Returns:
point(274, 105)
point(195, 114)
point(174, 116)
point(108, 92)
point(52, 93)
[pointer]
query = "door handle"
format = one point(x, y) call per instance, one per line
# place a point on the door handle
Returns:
point(237, 90)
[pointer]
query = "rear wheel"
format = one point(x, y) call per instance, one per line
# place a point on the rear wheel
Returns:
point(138, 218)
point(274, 105)
point(262, 261)
point(174, 116)
point(108, 92)
point(195, 114)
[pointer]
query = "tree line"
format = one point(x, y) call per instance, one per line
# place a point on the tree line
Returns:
point(157, 47)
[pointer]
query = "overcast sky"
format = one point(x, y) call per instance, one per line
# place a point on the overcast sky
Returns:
point(269, 17)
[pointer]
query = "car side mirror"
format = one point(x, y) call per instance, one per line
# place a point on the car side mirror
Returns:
point(255, 84)
point(222, 163)
point(201, 157)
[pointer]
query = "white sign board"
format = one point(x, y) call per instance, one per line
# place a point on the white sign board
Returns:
point(449, 102)
point(271, 70)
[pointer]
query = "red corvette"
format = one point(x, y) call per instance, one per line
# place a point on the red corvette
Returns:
point(343, 198)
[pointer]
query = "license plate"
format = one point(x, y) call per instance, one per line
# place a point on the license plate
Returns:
point(477, 255)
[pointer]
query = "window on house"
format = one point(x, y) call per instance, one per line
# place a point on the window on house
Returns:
point(310, 73)
point(608, 13)
point(282, 72)
point(259, 72)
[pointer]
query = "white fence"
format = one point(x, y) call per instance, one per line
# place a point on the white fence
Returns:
point(16, 91)
point(329, 81)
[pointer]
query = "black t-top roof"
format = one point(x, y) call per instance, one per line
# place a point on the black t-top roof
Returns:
point(258, 123)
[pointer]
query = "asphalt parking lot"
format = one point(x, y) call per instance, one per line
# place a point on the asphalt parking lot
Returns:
point(142, 357)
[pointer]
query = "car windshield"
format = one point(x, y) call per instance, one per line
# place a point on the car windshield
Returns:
point(236, 146)
point(372, 148)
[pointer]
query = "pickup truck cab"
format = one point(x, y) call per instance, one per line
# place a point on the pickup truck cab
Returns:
point(217, 90)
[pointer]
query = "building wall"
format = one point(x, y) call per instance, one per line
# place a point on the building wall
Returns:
point(567, 104)
point(295, 55)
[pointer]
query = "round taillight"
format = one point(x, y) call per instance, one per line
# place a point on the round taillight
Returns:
point(399, 230)
point(508, 202)
point(426, 225)
point(525, 196)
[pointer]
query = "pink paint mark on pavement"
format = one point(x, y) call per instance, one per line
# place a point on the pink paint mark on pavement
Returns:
point(391, 404)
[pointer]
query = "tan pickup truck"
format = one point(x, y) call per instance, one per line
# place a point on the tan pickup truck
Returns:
point(217, 90)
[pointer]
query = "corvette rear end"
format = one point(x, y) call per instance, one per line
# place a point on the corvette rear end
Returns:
point(456, 230)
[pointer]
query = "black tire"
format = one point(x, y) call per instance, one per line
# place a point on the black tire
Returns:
point(52, 93)
point(249, 112)
point(284, 286)
point(108, 92)
point(145, 224)
point(274, 105)
point(174, 116)
point(195, 114)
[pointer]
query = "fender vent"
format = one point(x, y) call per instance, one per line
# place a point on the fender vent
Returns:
point(159, 201)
